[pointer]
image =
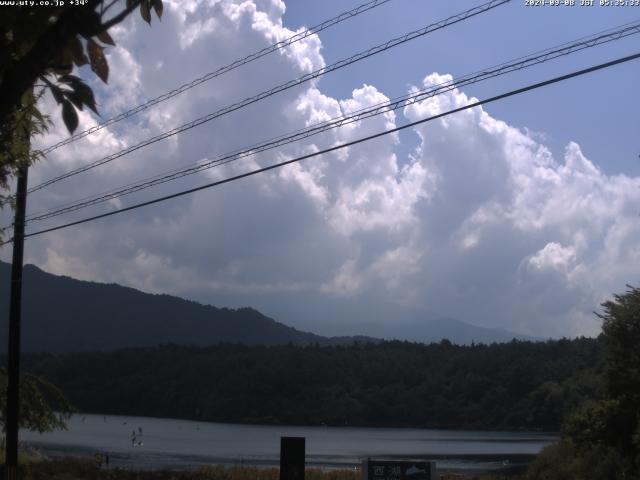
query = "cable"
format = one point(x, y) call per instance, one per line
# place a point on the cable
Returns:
point(343, 145)
point(599, 38)
point(285, 86)
point(374, 110)
point(336, 122)
point(222, 70)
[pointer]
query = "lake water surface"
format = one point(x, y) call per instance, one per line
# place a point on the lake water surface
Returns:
point(182, 444)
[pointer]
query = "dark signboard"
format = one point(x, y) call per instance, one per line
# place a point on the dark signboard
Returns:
point(398, 470)
point(291, 458)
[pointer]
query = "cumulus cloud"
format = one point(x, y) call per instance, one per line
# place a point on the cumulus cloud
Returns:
point(544, 223)
point(553, 257)
point(481, 222)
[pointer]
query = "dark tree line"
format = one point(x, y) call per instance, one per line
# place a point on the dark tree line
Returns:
point(517, 385)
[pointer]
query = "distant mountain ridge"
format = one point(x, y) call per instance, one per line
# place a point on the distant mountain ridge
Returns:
point(62, 314)
point(426, 330)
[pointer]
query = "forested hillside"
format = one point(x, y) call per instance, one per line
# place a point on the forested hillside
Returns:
point(62, 314)
point(518, 385)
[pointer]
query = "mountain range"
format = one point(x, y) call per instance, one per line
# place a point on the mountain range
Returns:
point(62, 314)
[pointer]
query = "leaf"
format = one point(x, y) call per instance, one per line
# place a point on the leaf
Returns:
point(105, 38)
point(99, 64)
point(57, 94)
point(69, 116)
point(79, 58)
point(36, 113)
point(158, 7)
point(71, 79)
point(27, 98)
point(85, 94)
point(74, 97)
point(145, 11)
point(81, 93)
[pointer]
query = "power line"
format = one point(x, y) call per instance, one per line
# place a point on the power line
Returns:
point(222, 70)
point(374, 110)
point(343, 145)
point(285, 86)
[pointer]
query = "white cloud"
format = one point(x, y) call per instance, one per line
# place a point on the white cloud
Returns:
point(553, 256)
point(481, 221)
point(501, 195)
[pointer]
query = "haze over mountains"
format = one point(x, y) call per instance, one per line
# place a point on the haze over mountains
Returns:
point(61, 314)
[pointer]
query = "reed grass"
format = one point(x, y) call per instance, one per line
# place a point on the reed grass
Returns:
point(81, 469)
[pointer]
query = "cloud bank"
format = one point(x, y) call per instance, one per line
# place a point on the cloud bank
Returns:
point(480, 222)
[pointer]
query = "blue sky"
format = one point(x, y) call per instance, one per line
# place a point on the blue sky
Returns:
point(521, 215)
point(599, 111)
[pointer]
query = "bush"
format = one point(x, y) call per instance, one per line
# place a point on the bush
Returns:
point(565, 461)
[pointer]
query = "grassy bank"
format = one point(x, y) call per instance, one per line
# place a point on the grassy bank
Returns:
point(75, 469)
point(25, 456)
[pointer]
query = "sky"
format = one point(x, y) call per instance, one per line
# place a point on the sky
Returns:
point(521, 214)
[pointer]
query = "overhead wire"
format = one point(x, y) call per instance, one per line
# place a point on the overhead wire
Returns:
point(343, 145)
point(520, 63)
point(221, 71)
point(282, 87)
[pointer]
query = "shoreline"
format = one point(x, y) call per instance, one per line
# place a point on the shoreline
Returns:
point(483, 429)
point(73, 468)
point(466, 464)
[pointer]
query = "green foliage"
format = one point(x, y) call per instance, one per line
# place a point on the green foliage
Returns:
point(26, 122)
point(619, 411)
point(589, 425)
point(601, 438)
point(519, 385)
point(566, 461)
point(39, 48)
point(43, 407)
point(621, 332)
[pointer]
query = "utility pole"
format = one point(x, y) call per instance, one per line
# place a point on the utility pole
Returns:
point(13, 366)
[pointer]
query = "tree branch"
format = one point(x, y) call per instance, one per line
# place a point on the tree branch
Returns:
point(121, 16)
point(26, 71)
point(105, 9)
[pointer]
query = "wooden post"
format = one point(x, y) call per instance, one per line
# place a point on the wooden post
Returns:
point(13, 358)
point(292, 458)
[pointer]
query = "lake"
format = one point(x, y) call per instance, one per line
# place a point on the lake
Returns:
point(182, 444)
